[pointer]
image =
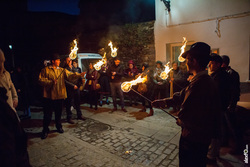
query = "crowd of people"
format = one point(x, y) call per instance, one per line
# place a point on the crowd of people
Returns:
point(203, 92)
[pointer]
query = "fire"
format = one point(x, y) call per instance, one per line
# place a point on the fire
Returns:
point(113, 50)
point(126, 86)
point(184, 43)
point(164, 74)
point(73, 53)
point(99, 64)
point(128, 152)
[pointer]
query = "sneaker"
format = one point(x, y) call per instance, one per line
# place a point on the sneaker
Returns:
point(123, 109)
point(71, 121)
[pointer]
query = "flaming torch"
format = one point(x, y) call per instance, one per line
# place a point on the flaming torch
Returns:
point(184, 43)
point(164, 74)
point(99, 64)
point(72, 55)
point(113, 50)
point(127, 86)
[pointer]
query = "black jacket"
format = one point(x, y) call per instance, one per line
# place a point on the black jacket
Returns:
point(222, 80)
point(119, 73)
point(199, 109)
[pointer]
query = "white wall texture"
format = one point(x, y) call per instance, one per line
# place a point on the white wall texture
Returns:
point(196, 20)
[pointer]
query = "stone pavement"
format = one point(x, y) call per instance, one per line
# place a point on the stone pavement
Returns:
point(104, 140)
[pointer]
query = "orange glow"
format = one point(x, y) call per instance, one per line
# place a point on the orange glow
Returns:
point(113, 50)
point(184, 43)
point(164, 74)
point(126, 86)
point(99, 64)
point(73, 53)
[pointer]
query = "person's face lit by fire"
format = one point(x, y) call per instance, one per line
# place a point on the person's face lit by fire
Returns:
point(117, 62)
point(158, 65)
point(131, 66)
point(75, 64)
point(175, 66)
point(91, 66)
point(56, 62)
point(190, 63)
point(213, 66)
point(68, 61)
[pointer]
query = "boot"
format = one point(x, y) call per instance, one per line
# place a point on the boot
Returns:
point(151, 113)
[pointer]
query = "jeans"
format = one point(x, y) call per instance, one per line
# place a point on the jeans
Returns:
point(116, 87)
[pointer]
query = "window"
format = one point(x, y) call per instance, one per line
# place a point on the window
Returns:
point(173, 51)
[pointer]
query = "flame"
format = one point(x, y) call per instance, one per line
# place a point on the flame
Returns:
point(164, 74)
point(113, 50)
point(99, 64)
point(128, 152)
point(184, 43)
point(73, 53)
point(126, 86)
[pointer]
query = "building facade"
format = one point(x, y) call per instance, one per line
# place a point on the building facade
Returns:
point(223, 24)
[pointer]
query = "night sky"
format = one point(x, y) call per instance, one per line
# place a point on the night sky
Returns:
point(64, 6)
point(132, 10)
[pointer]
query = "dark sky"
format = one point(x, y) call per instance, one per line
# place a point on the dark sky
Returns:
point(64, 6)
point(134, 10)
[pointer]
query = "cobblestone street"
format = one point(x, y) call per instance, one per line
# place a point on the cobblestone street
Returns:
point(104, 140)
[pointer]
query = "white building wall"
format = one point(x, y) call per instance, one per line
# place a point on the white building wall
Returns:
point(196, 20)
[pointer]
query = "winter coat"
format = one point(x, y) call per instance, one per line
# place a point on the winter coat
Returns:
point(92, 80)
point(56, 91)
point(130, 73)
point(119, 73)
point(200, 108)
point(6, 82)
point(222, 80)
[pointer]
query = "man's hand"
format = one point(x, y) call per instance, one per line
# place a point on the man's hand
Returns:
point(159, 103)
point(15, 103)
point(178, 122)
point(75, 87)
point(55, 81)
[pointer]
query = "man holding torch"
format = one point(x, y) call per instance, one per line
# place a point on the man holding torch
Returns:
point(52, 78)
point(199, 107)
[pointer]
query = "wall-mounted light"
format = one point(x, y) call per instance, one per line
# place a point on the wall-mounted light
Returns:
point(167, 4)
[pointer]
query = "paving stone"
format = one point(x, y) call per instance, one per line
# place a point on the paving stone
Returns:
point(172, 146)
point(167, 151)
point(166, 162)
point(145, 148)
